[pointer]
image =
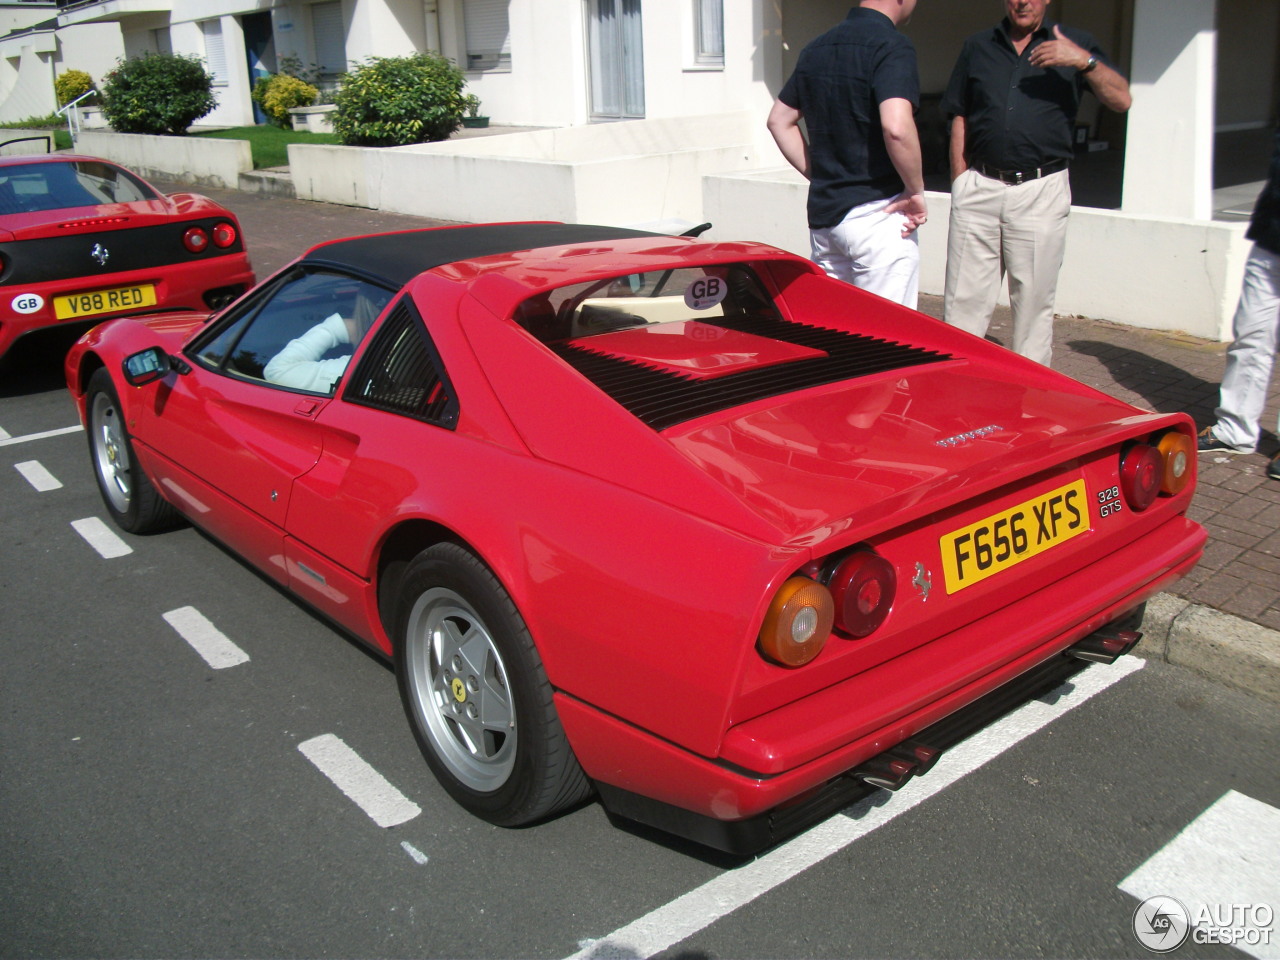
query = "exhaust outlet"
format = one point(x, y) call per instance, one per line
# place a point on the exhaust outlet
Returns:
point(1105, 645)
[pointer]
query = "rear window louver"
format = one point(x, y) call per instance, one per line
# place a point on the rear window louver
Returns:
point(662, 398)
point(401, 372)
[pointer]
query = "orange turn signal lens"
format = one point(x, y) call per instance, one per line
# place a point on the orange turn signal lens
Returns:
point(797, 623)
point(1176, 451)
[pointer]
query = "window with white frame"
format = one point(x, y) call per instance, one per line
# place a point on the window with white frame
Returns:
point(708, 32)
point(488, 34)
point(215, 52)
point(161, 41)
point(330, 38)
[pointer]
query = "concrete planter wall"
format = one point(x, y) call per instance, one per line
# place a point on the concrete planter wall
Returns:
point(26, 147)
point(200, 161)
point(316, 119)
point(621, 173)
point(1157, 273)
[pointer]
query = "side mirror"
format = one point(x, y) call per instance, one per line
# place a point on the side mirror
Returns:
point(149, 365)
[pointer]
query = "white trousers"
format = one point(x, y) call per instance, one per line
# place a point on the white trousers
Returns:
point(997, 229)
point(1252, 351)
point(867, 249)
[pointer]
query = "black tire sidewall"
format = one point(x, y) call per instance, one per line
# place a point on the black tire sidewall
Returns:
point(519, 800)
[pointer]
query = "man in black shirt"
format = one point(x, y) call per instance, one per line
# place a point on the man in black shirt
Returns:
point(1254, 328)
point(1013, 99)
point(857, 88)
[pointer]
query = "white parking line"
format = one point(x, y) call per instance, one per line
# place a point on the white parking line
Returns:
point(1227, 857)
point(362, 784)
point(4, 434)
point(8, 441)
point(206, 639)
point(683, 917)
point(36, 475)
point(99, 536)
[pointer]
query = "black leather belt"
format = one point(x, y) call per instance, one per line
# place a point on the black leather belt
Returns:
point(1016, 177)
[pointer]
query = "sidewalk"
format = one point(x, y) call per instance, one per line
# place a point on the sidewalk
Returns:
point(1223, 619)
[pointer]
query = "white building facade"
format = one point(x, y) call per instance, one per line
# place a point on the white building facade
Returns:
point(1198, 68)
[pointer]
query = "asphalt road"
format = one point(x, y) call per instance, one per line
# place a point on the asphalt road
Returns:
point(153, 804)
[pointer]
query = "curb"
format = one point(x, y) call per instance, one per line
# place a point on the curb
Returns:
point(1227, 649)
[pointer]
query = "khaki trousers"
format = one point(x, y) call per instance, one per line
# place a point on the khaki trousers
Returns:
point(998, 229)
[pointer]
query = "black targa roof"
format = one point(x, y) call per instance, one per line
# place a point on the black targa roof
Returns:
point(399, 257)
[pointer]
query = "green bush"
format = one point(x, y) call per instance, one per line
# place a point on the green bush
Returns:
point(392, 101)
point(71, 84)
point(277, 93)
point(157, 93)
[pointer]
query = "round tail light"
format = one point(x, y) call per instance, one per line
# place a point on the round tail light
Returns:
point(1141, 473)
point(224, 235)
point(196, 239)
point(797, 623)
point(1178, 454)
point(863, 586)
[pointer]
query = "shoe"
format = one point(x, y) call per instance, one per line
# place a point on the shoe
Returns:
point(1206, 442)
point(1273, 468)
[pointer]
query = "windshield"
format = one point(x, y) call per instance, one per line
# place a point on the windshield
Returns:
point(34, 187)
point(702, 293)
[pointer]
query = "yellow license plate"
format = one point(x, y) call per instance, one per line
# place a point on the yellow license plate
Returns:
point(983, 549)
point(104, 301)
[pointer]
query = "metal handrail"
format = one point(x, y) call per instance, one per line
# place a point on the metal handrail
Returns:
point(72, 112)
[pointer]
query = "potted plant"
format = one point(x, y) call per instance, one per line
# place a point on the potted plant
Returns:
point(471, 103)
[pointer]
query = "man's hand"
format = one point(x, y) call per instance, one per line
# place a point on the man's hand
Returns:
point(913, 207)
point(1060, 52)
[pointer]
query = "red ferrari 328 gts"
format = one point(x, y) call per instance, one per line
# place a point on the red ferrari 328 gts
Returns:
point(83, 239)
point(687, 524)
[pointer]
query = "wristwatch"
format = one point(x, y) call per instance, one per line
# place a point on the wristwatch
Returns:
point(1093, 62)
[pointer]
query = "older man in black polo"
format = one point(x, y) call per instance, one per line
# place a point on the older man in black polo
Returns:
point(1013, 99)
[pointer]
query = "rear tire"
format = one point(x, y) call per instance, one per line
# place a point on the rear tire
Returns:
point(476, 694)
point(130, 499)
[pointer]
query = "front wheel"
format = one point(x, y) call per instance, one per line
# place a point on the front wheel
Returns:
point(132, 501)
point(476, 694)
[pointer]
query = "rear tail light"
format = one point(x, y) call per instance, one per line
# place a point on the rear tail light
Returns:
point(863, 586)
point(797, 623)
point(1150, 469)
point(196, 239)
point(1178, 455)
point(224, 235)
point(1141, 471)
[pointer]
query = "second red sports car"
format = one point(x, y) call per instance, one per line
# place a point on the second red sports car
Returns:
point(84, 239)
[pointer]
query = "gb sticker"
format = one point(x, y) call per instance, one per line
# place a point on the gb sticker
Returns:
point(27, 303)
point(705, 293)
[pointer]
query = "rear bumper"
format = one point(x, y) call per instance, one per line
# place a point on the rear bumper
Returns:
point(178, 287)
point(802, 747)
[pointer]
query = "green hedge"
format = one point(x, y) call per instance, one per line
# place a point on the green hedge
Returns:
point(157, 93)
point(393, 101)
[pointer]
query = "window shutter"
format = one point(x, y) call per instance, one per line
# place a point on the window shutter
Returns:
point(488, 34)
point(215, 53)
point(709, 20)
point(330, 38)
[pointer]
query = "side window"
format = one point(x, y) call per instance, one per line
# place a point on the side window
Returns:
point(401, 372)
point(300, 334)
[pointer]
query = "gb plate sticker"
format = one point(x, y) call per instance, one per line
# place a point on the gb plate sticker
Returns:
point(705, 293)
point(27, 303)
